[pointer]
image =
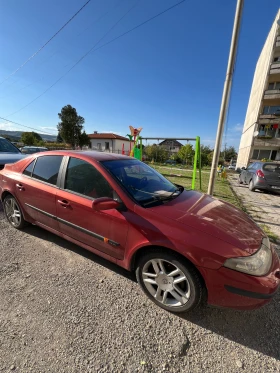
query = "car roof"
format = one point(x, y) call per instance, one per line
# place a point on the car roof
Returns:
point(89, 154)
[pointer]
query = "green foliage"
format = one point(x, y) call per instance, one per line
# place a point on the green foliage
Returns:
point(32, 138)
point(59, 139)
point(84, 140)
point(186, 154)
point(210, 158)
point(156, 153)
point(70, 126)
point(229, 153)
point(205, 151)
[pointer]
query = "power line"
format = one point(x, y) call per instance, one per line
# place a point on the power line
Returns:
point(76, 63)
point(22, 125)
point(43, 46)
point(93, 50)
point(59, 50)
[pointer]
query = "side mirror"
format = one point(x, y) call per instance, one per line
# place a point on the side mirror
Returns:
point(104, 203)
point(243, 168)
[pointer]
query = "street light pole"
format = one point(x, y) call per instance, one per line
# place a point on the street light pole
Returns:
point(226, 94)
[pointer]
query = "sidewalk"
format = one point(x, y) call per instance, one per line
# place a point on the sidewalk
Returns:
point(264, 208)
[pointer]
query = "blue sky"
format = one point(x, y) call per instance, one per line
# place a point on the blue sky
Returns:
point(166, 76)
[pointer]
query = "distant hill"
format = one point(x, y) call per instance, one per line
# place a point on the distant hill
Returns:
point(16, 135)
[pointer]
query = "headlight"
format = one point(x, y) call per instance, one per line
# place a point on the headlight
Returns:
point(257, 264)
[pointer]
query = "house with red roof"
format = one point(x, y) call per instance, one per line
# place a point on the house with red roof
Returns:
point(109, 142)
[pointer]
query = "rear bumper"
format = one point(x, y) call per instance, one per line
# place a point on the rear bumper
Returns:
point(264, 185)
point(229, 288)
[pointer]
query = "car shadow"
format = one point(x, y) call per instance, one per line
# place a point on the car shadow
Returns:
point(61, 242)
point(258, 329)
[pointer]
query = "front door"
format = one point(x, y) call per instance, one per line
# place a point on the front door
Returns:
point(106, 230)
point(36, 189)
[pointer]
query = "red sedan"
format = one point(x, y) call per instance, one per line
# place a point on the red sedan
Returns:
point(186, 247)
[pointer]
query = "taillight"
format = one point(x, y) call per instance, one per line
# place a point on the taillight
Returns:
point(260, 174)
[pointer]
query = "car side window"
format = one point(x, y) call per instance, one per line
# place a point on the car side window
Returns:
point(251, 167)
point(29, 169)
point(47, 168)
point(84, 178)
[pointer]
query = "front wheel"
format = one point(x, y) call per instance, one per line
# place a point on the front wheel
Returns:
point(13, 213)
point(171, 283)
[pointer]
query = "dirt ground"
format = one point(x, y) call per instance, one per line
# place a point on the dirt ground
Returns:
point(63, 309)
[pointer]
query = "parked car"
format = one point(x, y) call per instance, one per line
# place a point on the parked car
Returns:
point(232, 166)
point(33, 149)
point(8, 153)
point(185, 247)
point(171, 161)
point(262, 176)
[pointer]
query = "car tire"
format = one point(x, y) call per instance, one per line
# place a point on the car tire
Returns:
point(239, 180)
point(251, 186)
point(13, 212)
point(179, 293)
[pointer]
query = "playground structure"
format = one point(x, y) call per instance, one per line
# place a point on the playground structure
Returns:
point(136, 150)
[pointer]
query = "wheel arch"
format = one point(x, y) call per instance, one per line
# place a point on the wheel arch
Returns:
point(147, 249)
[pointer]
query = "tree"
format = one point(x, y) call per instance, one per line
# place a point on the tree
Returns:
point(229, 153)
point(31, 138)
point(204, 151)
point(70, 126)
point(28, 138)
point(59, 139)
point(156, 153)
point(84, 140)
point(186, 153)
point(37, 136)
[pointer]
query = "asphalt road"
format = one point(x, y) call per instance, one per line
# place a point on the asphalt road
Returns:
point(63, 309)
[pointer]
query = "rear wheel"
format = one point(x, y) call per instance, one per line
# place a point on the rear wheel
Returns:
point(169, 282)
point(239, 180)
point(13, 213)
point(251, 186)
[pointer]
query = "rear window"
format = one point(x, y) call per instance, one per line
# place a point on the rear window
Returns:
point(46, 168)
point(7, 147)
point(272, 168)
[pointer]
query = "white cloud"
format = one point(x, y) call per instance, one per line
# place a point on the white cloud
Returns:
point(237, 128)
point(9, 127)
point(49, 128)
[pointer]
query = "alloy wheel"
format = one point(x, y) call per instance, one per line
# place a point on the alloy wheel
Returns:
point(13, 212)
point(166, 282)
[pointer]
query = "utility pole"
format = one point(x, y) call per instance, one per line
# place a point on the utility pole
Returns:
point(226, 94)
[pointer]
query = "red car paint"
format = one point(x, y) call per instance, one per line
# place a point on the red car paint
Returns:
point(203, 229)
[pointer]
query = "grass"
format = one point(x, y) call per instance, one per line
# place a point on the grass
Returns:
point(272, 236)
point(183, 177)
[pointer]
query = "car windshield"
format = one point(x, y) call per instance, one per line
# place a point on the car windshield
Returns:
point(7, 147)
point(142, 182)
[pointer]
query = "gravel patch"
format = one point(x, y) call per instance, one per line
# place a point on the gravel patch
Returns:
point(63, 309)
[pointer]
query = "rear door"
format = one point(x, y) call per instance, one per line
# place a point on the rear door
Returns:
point(249, 172)
point(36, 189)
point(272, 175)
point(105, 231)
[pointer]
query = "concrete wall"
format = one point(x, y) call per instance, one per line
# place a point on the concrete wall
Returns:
point(256, 96)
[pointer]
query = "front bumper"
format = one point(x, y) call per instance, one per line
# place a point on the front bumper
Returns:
point(229, 288)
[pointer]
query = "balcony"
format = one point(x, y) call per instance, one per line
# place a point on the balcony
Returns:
point(275, 67)
point(272, 94)
point(266, 141)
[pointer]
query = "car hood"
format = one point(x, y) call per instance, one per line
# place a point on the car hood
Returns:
point(214, 217)
point(6, 158)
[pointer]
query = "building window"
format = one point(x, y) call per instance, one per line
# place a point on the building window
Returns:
point(271, 110)
point(99, 146)
point(107, 146)
point(255, 154)
point(274, 85)
point(264, 154)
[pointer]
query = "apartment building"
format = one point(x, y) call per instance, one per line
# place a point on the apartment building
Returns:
point(261, 132)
